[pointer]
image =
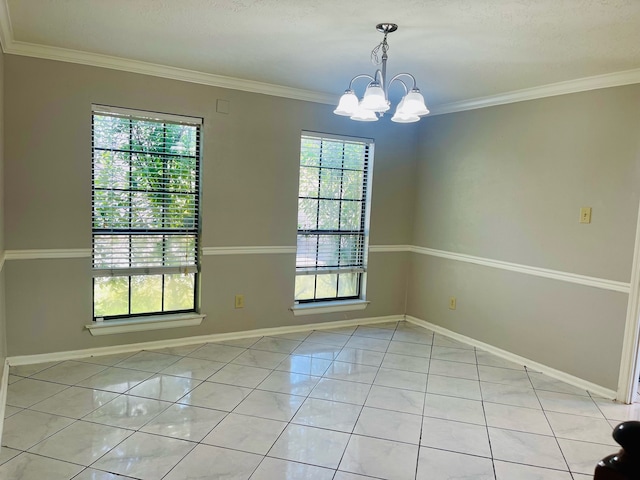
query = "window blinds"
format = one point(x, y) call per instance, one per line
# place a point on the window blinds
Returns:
point(145, 192)
point(332, 204)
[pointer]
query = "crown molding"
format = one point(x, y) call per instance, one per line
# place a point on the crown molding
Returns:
point(616, 79)
point(163, 71)
point(13, 47)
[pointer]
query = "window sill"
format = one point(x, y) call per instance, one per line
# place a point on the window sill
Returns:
point(328, 307)
point(111, 327)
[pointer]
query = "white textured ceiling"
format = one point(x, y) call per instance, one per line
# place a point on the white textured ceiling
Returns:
point(457, 49)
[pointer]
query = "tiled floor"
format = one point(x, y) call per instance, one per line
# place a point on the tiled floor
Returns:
point(391, 401)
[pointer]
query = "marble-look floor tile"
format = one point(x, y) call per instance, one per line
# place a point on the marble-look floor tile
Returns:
point(411, 336)
point(7, 454)
point(279, 345)
point(456, 437)
point(565, 403)
point(182, 350)
point(366, 343)
point(491, 360)
point(184, 422)
point(380, 458)
point(408, 348)
point(407, 401)
point(541, 381)
point(454, 387)
point(511, 471)
point(128, 412)
point(583, 457)
point(74, 402)
point(149, 361)
point(338, 416)
point(351, 372)
point(374, 332)
point(81, 442)
point(9, 410)
point(318, 350)
point(486, 358)
point(517, 418)
point(328, 338)
point(585, 429)
point(107, 360)
point(196, 368)
point(217, 353)
point(526, 448)
point(215, 395)
point(209, 462)
point(445, 465)
point(401, 379)
point(453, 369)
point(27, 466)
point(69, 373)
point(389, 425)
point(249, 434)
point(289, 382)
point(240, 375)
point(115, 379)
point(442, 341)
point(277, 469)
point(341, 391)
point(364, 357)
point(145, 456)
point(457, 409)
point(504, 376)
point(406, 362)
point(93, 474)
point(300, 336)
point(28, 370)
point(23, 430)
point(305, 365)
point(619, 412)
point(28, 392)
point(314, 446)
point(453, 354)
point(349, 476)
point(275, 406)
point(260, 359)
point(509, 395)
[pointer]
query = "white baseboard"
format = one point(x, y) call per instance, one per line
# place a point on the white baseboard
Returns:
point(178, 342)
point(512, 357)
point(4, 385)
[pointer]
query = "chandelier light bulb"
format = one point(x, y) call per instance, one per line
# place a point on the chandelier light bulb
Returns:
point(375, 99)
point(414, 103)
point(348, 104)
point(363, 115)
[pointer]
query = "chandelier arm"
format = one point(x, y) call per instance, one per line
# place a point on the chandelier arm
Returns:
point(362, 75)
point(413, 79)
point(396, 79)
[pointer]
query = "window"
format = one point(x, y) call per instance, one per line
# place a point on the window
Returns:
point(145, 192)
point(333, 217)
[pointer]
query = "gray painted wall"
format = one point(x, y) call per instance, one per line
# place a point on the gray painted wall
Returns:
point(507, 183)
point(249, 184)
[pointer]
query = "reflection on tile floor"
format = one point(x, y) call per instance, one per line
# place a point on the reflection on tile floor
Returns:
point(387, 401)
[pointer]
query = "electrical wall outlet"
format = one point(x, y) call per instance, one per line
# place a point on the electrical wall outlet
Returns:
point(239, 301)
point(452, 303)
point(585, 215)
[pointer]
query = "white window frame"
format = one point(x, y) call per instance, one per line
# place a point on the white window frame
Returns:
point(331, 304)
point(190, 265)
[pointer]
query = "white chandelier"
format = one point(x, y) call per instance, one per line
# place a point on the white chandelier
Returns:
point(375, 101)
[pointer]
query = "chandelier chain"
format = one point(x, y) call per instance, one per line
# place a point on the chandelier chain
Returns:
point(383, 46)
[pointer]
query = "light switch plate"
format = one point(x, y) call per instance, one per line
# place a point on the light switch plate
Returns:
point(585, 215)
